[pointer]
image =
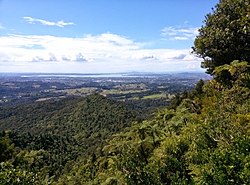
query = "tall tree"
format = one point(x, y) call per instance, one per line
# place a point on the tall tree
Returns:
point(225, 36)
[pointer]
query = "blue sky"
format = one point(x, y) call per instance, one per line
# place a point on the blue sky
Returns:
point(100, 35)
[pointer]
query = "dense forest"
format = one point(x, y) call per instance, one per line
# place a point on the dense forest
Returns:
point(61, 131)
point(202, 137)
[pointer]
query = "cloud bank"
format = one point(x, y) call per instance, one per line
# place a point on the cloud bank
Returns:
point(61, 23)
point(179, 33)
point(91, 53)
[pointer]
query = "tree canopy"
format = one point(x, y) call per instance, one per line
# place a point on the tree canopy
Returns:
point(225, 37)
point(204, 139)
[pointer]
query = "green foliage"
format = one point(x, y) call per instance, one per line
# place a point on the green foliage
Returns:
point(204, 139)
point(9, 175)
point(198, 90)
point(237, 73)
point(12, 170)
point(225, 35)
point(50, 136)
point(6, 148)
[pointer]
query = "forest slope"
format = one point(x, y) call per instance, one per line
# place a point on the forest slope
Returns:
point(57, 132)
point(203, 139)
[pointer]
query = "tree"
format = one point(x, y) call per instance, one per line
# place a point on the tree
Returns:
point(7, 149)
point(237, 73)
point(225, 36)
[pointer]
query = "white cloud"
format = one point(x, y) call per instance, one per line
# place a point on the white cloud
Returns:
point(179, 33)
point(80, 58)
point(61, 23)
point(99, 53)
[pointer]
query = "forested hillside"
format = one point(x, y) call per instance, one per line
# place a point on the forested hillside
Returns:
point(203, 137)
point(57, 117)
point(47, 137)
point(203, 140)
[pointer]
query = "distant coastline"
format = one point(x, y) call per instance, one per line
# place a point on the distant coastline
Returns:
point(105, 75)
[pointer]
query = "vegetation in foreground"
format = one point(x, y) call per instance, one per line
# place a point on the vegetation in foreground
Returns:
point(202, 138)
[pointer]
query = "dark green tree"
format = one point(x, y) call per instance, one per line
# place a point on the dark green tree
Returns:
point(225, 36)
point(7, 150)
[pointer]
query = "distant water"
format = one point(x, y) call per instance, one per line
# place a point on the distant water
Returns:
point(105, 75)
point(77, 75)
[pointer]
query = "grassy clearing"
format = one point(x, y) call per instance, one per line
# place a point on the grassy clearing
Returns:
point(116, 91)
point(155, 96)
point(80, 91)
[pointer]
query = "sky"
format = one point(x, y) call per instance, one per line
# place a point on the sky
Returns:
point(100, 36)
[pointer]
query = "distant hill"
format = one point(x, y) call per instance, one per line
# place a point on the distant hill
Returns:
point(67, 116)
